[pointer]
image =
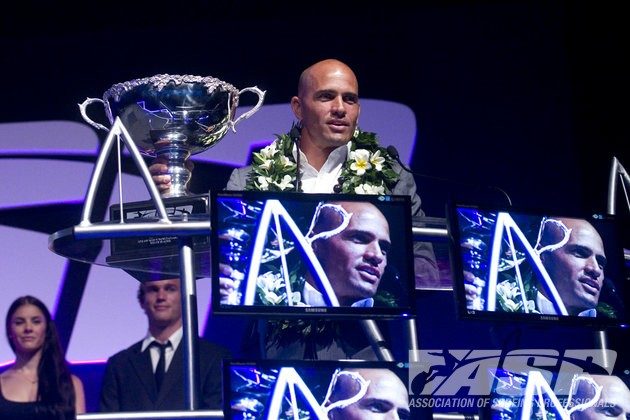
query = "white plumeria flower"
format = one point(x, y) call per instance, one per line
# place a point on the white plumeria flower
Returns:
point(263, 182)
point(273, 298)
point(512, 306)
point(531, 306)
point(369, 189)
point(507, 290)
point(361, 162)
point(377, 160)
point(265, 280)
point(268, 151)
point(285, 183)
point(286, 162)
point(266, 164)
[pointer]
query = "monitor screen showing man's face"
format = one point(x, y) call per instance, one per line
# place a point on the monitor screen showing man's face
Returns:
point(577, 268)
point(613, 403)
point(355, 259)
point(386, 396)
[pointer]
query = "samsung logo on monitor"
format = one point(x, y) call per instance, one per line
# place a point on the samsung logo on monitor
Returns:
point(322, 310)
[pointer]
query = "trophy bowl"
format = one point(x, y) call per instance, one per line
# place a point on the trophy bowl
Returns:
point(172, 117)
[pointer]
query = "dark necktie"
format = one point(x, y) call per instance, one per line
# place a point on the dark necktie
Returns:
point(161, 366)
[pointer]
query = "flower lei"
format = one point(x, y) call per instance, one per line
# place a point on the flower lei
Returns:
point(368, 169)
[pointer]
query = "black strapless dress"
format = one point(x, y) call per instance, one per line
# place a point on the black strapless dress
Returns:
point(12, 410)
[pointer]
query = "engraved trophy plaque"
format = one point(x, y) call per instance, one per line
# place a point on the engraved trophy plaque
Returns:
point(171, 117)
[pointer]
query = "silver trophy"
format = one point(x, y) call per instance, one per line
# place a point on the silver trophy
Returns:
point(172, 117)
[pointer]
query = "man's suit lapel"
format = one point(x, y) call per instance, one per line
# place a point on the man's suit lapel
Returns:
point(141, 362)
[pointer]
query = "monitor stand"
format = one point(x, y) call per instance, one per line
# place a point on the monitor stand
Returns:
point(376, 339)
point(602, 342)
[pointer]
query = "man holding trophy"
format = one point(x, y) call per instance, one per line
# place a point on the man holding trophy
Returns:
point(320, 146)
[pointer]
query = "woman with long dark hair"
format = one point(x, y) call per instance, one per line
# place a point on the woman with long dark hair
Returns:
point(39, 384)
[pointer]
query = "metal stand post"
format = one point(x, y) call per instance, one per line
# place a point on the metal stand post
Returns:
point(412, 337)
point(376, 340)
point(602, 341)
point(189, 321)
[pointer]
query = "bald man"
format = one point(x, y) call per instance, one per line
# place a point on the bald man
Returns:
point(386, 396)
point(613, 403)
point(327, 110)
point(353, 259)
point(576, 268)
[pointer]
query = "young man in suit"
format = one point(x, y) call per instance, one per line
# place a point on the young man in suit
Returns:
point(131, 383)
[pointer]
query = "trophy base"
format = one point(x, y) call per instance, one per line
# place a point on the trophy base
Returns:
point(159, 255)
point(177, 193)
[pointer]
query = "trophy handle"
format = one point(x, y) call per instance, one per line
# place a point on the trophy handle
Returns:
point(261, 98)
point(82, 108)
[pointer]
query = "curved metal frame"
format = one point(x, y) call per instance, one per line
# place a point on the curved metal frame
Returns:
point(617, 171)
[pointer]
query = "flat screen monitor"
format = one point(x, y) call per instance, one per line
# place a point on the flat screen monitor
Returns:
point(277, 389)
point(523, 265)
point(536, 394)
point(337, 255)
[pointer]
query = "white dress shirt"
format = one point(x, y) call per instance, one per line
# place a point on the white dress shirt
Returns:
point(174, 339)
point(546, 307)
point(327, 177)
point(313, 297)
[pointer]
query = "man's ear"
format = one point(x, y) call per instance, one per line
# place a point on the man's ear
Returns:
point(296, 106)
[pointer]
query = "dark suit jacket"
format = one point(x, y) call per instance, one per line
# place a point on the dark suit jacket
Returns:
point(129, 384)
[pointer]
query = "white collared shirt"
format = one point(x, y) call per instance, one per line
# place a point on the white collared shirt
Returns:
point(175, 339)
point(546, 307)
point(325, 179)
point(312, 297)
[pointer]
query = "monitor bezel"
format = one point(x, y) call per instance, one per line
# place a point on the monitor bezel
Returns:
point(405, 265)
point(614, 255)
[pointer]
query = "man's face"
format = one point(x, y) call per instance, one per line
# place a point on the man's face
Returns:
point(577, 269)
point(354, 260)
point(328, 105)
point(614, 402)
point(162, 302)
point(386, 398)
